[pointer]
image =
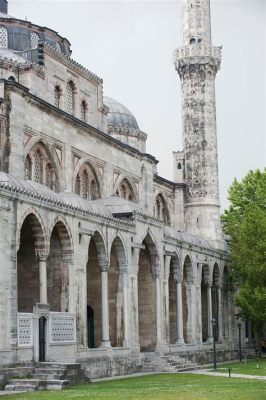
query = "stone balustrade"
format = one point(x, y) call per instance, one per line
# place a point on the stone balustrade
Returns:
point(197, 51)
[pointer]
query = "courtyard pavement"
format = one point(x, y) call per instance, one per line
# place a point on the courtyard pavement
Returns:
point(225, 374)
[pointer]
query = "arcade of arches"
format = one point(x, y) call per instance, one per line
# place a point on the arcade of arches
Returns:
point(44, 269)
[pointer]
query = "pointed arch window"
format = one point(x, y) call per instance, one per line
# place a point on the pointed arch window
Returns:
point(3, 38)
point(34, 39)
point(125, 190)
point(160, 210)
point(70, 97)
point(86, 184)
point(39, 167)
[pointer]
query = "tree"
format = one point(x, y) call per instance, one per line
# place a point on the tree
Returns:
point(245, 223)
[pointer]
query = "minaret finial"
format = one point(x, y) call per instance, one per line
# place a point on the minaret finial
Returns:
point(3, 6)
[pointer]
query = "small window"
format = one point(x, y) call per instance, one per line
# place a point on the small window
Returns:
point(3, 38)
point(199, 40)
point(83, 110)
point(34, 39)
point(57, 95)
point(179, 166)
point(11, 78)
point(192, 40)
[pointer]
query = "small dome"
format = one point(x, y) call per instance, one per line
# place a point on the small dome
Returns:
point(119, 115)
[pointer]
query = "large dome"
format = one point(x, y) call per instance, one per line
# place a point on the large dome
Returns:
point(119, 115)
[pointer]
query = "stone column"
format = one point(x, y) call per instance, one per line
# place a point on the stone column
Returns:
point(156, 276)
point(124, 271)
point(198, 304)
point(193, 310)
point(179, 311)
point(209, 304)
point(166, 317)
point(69, 285)
point(43, 276)
point(105, 304)
point(220, 314)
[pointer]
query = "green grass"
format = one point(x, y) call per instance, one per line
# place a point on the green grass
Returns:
point(158, 387)
point(249, 368)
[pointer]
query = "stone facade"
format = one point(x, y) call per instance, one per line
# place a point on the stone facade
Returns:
point(103, 260)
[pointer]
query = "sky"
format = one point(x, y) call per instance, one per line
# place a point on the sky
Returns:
point(130, 45)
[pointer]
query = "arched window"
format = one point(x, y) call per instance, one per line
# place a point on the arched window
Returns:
point(40, 168)
point(125, 190)
point(179, 166)
point(57, 95)
point(160, 210)
point(3, 38)
point(34, 39)
point(83, 110)
point(192, 40)
point(70, 97)
point(86, 184)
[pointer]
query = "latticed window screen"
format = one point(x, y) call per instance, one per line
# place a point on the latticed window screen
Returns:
point(57, 93)
point(37, 168)
point(70, 98)
point(3, 37)
point(34, 39)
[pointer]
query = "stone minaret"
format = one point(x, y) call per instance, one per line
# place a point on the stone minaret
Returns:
point(3, 6)
point(197, 63)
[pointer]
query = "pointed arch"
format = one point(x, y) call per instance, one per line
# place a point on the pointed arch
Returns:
point(126, 188)
point(39, 231)
point(58, 282)
point(86, 182)
point(148, 271)
point(97, 258)
point(116, 292)
point(160, 209)
point(32, 245)
point(41, 165)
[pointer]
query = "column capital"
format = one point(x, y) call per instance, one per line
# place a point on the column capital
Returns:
point(104, 265)
point(41, 254)
point(155, 273)
point(178, 276)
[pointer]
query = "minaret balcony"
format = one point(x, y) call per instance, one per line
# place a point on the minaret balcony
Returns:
point(197, 50)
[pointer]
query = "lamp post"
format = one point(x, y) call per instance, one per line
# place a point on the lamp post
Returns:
point(213, 321)
point(239, 341)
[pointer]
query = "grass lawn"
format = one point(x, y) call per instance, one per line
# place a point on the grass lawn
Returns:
point(249, 368)
point(159, 387)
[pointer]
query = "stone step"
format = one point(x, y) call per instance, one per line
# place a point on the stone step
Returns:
point(48, 376)
point(57, 384)
point(25, 384)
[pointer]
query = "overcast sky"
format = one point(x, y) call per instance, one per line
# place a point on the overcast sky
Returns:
point(130, 45)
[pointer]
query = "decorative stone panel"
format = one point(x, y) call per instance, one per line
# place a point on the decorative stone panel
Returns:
point(62, 327)
point(25, 329)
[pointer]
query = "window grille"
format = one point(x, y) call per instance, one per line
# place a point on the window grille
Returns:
point(37, 167)
point(70, 98)
point(3, 37)
point(34, 39)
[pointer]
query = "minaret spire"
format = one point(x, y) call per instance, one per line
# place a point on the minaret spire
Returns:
point(197, 63)
point(3, 6)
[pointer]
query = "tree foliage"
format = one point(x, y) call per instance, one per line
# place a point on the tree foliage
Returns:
point(245, 223)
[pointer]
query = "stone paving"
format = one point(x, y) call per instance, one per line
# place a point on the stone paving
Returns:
point(225, 374)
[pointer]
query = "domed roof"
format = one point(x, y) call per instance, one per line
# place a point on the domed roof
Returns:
point(119, 115)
